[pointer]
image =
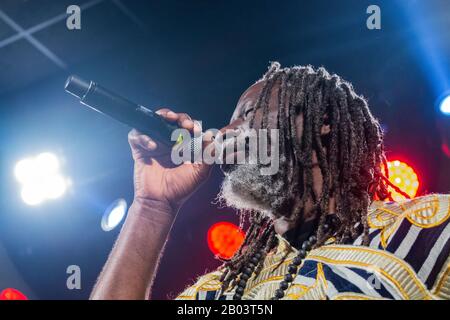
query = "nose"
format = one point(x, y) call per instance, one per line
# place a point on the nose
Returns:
point(229, 145)
point(234, 125)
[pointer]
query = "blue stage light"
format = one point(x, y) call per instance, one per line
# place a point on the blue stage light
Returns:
point(114, 215)
point(444, 105)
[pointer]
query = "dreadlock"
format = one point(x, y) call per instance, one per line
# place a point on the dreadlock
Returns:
point(350, 157)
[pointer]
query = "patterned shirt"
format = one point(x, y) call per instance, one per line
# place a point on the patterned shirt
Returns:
point(407, 258)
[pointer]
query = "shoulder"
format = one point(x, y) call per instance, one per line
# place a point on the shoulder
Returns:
point(394, 220)
point(205, 287)
point(417, 231)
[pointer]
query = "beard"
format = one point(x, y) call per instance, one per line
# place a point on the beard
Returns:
point(244, 188)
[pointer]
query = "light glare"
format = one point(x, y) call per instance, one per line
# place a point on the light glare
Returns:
point(47, 163)
point(445, 105)
point(40, 178)
point(32, 194)
point(114, 214)
point(24, 169)
point(54, 187)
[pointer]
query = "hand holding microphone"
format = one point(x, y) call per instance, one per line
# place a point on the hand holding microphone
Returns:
point(155, 176)
point(121, 109)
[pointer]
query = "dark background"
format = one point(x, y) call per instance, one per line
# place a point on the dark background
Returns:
point(196, 57)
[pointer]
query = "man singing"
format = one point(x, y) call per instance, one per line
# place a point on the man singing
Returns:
point(321, 227)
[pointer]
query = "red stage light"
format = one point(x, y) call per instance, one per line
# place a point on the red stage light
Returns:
point(224, 238)
point(404, 177)
point(12, 294)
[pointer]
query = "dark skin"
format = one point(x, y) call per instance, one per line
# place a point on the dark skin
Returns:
point(161, 189)
point(240, 118)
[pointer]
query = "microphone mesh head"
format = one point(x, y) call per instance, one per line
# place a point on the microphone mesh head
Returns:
point(196, 149)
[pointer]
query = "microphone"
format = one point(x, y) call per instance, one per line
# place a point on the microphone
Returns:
point(121, 109)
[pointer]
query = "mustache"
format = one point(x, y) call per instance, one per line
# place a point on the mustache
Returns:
point(243, 190)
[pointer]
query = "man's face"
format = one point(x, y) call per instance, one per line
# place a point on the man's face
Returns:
point(244, 186)
point(245, 111)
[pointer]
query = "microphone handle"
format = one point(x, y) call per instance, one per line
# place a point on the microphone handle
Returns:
point(129, 113)
point(119, 108)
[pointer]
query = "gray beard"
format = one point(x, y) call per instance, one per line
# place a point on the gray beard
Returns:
point(244, 188)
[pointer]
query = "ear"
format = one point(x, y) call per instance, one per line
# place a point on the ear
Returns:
point(326, 125)
point(325, 130)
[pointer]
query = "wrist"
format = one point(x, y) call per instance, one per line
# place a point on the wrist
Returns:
point(153, 207)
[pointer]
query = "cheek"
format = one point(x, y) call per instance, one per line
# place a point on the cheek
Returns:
point(299, 126)
point(272, 119)
point(257, 120)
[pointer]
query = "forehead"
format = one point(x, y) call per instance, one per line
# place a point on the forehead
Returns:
point(247, 99)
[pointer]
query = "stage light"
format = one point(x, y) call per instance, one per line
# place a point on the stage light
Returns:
point(47, 162)
point(54, 187)
point(224, 238)
point(12, 294)
point(404, 177)
point(32, 194)
point(444, 105)
point(40, 178)
point(24, 169)
point(114, 215)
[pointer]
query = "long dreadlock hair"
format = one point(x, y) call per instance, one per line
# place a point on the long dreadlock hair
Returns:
point(350, 157)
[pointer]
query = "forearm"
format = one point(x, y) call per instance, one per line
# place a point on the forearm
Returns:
point(132, 264)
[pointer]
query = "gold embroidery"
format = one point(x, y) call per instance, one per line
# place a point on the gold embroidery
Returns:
point(425, 212)
point(442, 286)
point(317, 291)
point(395, 270)
point(207, 282)
point(431, 212)
point(354, 296)
point(275, 278)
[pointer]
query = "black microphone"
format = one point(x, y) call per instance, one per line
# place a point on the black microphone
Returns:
point(134, 115)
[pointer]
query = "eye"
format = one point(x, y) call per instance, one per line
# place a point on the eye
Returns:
point(248, 111)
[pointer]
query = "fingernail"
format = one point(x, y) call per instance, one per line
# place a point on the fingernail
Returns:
point(187, 123)
point(171, 114)
point(197, 127)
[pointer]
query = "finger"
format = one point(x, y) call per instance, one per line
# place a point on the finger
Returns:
point(140, 141)
point(162, 111)
point(197, 127)
point(185, 121)
point(182, 119)
point(167, 114)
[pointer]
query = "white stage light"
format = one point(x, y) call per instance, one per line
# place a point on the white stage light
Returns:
point(24, 170)
point(47, 163)
point(32, 194)
point(54, 187)
point(40, 178)
point(114, 215)
point(444, 105)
